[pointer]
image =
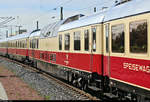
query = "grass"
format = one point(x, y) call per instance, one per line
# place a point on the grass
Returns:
point(46, 97)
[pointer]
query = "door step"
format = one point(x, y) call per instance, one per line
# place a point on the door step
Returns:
point(94, 88)
point(110, 95)
point(98, 80)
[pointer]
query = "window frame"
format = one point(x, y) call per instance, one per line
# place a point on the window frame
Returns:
point(75, 49)
point(94, 27)
point(110, 31)
point(140, 53)
point(87, 31)
point(65, 46)
point(60, 44)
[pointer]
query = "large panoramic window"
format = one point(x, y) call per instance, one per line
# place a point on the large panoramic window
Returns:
point(138, 36)
point(77, 40)
point(86, 40)
point(118, 38)
point(67, 41)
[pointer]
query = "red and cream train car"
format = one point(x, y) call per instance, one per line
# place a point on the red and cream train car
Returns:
point(108, 51)
point(126, 59)
point(18, 46)
point(3, 47)
point(33, 46)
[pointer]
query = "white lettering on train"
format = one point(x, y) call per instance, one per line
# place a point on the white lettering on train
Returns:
point(137, 67)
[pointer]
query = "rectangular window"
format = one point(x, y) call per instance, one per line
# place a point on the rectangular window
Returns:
point(67, 41)
point(18, 43)
point(26, 43)
point(86, 40)
point(94, 39)
point(42, 55)
point(32, 43)
point(37, 43)
point(53, 57)
point(138, 37)
point(107, 36)
point(118, 38)
point(60, 42)
point(77, 40)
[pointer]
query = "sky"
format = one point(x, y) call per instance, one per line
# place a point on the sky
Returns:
point(28, 12)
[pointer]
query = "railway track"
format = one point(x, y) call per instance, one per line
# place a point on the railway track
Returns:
point(73, 89)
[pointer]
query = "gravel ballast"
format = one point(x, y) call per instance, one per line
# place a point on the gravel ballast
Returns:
point(47, 88)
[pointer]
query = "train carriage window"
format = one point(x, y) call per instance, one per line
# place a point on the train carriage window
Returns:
point(20, 43)
point(107, 36)
point(60, 42)
point(118, 38)
point(53, 57)
point(77, 40)
point(138, 37)
point(67, 41)
point(86, 40)
point(32, 43)
point(94, 39)
point(37, 43)
point(26, 43)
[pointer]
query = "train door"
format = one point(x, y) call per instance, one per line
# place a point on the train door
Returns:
point(7, 49)
point(107, 37)
point(106, 57)
point(32, 51)
point(93, 48)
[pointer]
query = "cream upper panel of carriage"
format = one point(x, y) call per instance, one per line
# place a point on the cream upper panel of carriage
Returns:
point(48, 44)
point(130, 8)
point(85, 45)
point(133, 49)
point(94, 19)
point(20, 36)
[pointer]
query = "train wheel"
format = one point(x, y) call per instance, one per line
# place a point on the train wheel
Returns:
point(84, 85)
point(141, 99)
point(70, 77)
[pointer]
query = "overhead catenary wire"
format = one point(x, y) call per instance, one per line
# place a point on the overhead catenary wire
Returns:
point(93, 6)
point(77, 10)
point(6, 21)
point(53, 9)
